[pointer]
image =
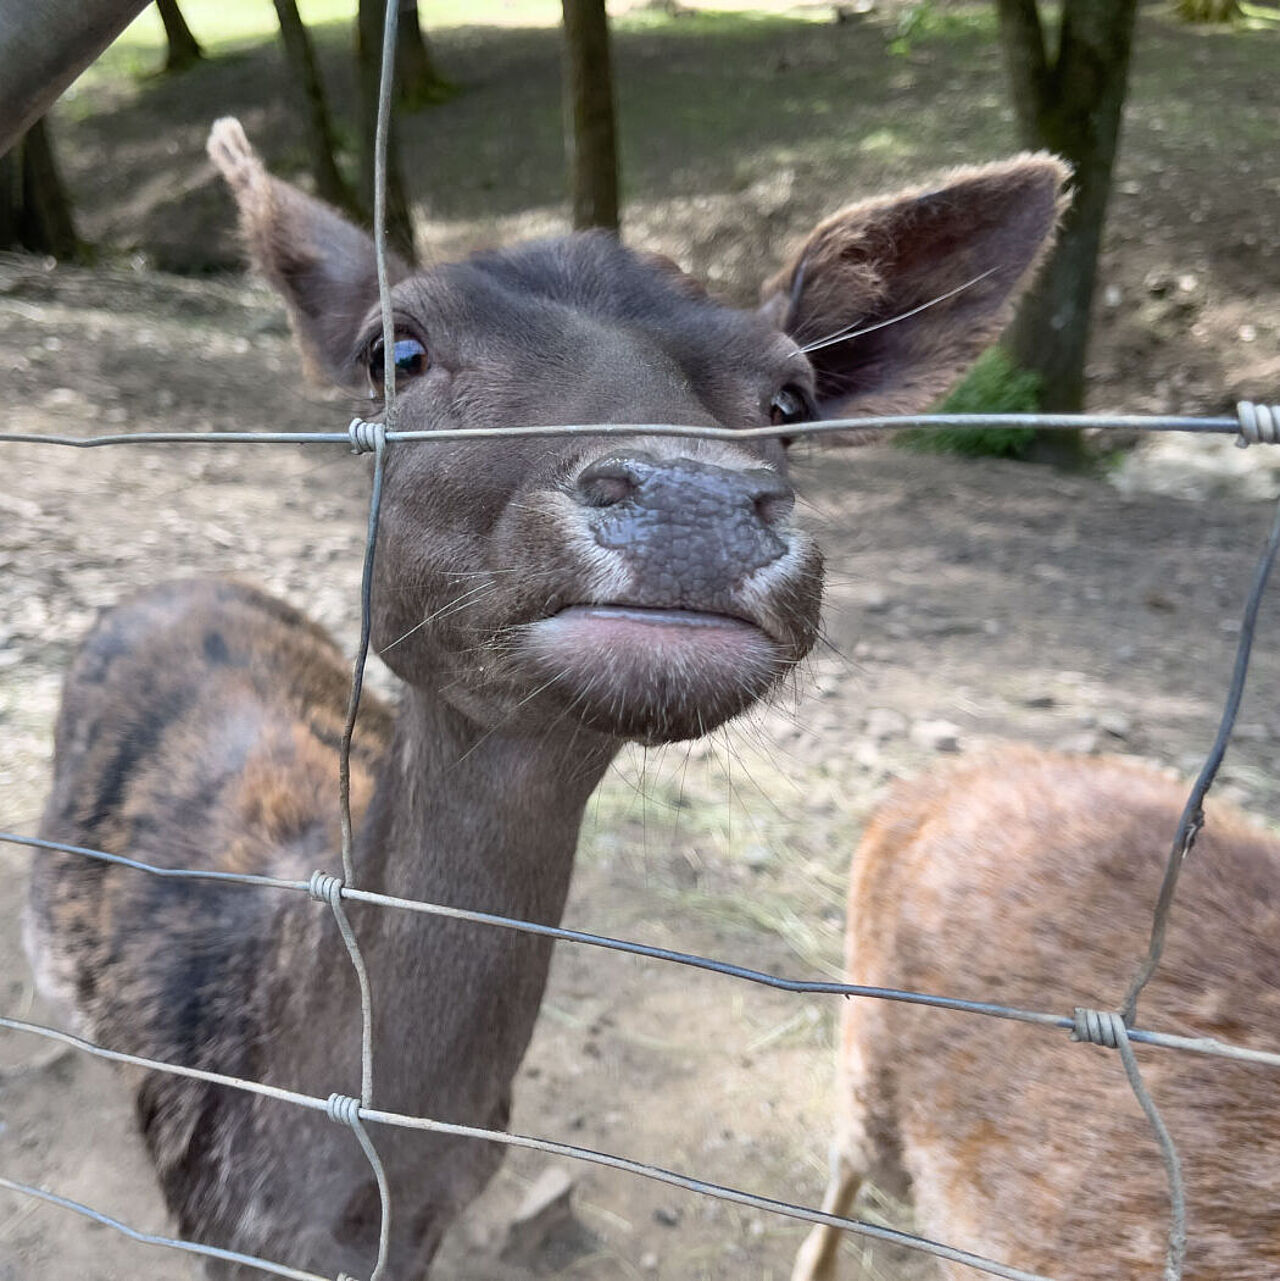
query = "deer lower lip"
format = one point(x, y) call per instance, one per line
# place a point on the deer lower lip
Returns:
point(653, 674)
point(644, 616)
point(662, 635)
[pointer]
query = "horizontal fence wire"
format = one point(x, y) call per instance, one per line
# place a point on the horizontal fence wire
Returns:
point(152, 1238)
point(1208, 1046)
point(1244, 425)
point(551, 1147)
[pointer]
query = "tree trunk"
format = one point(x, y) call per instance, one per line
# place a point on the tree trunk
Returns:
point(11, 196)
point(35, 213)
point(590, 132)
point(418, 83)
point(1071, 105)
point(184, 48)
point(44, 46)
point(301, 57)
point(369, 21)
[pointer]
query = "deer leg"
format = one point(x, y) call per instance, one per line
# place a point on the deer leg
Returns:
point(817, 1258)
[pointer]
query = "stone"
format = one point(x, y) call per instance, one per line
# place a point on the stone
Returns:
point(1083, 743)
point(1117, 724)
point(545, 1210)
point(937, 736)
point(884, 723)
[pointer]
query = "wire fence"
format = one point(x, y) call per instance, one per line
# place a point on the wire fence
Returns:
point(1115, 1029)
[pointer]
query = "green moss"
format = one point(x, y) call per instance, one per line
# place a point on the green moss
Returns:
point(994, 386)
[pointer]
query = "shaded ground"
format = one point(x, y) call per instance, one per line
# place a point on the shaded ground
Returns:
point(738, 130)
point(1003, 599)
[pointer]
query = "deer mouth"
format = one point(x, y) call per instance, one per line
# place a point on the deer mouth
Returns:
point(681, 621)
point(654, 674)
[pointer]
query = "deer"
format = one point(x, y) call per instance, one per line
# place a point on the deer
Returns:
point(1029, 878)
point(542, 601)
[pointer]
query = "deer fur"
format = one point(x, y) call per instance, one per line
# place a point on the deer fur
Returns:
point(543, 602)
point(1029, 879)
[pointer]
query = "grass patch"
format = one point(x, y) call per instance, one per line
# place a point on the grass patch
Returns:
point(219, 23)
point(224, 27)
point(994, 386)
point(923, 22)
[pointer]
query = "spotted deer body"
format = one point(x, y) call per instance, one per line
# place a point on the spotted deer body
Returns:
point(1029, 879)
point(543, 602)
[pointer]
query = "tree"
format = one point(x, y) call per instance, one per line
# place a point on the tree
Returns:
point(35, 213)
point(301, 57)
point(1070, 104)
point(184, 48)
point(369, 22)
point(418, 83)
point(589, 129)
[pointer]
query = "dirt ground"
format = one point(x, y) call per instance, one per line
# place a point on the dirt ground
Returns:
point(1006, 600)
point(968, 603)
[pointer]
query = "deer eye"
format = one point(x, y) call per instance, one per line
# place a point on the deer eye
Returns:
point(790, 405)
point(410, 357)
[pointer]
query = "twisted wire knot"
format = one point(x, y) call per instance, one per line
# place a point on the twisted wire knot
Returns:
point(343, 1109)
point(366, 437)
point(1259, 424)
point(325, 888)
point(1099, 1027)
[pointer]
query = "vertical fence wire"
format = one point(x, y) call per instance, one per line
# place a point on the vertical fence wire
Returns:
point(341, 1108)
point(1192, 820)
point(1115, 1033)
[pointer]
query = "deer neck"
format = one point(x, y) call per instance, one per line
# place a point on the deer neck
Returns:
point(477, 818)
point(472, 819)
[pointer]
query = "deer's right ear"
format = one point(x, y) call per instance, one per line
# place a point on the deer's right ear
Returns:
point(321, 265)
point(894, 298)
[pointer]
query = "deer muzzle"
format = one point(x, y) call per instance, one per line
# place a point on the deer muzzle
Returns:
point(713, 595)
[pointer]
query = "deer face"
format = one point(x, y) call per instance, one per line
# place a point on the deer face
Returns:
point(644, 587)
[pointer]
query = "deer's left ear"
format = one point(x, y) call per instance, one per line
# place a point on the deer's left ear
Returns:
point(322, 266)
point(938, 270)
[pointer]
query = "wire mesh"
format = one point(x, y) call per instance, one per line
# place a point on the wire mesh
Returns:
point(1251, 424)
point(333, 891)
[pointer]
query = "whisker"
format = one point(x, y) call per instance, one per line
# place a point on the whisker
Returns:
point(506, 720)
point(849, 332)
point(458, 602)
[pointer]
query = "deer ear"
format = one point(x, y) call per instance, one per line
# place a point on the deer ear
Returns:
point(939, 271)
point(321, 265)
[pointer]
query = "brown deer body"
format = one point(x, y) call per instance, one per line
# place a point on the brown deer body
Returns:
point(543, 600)
point(1030, 879)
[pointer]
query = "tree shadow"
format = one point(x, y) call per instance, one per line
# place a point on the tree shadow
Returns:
point(729, 122)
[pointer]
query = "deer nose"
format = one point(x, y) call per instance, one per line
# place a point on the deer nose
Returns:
point(607, 481)
point(688, 529)
point(656, 485)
